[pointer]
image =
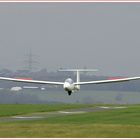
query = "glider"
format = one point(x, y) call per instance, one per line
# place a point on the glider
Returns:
point(69, 85)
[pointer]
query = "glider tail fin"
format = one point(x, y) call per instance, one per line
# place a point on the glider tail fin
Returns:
point(78, 79)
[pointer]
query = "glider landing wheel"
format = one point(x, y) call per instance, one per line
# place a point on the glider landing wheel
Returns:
point(69, 93)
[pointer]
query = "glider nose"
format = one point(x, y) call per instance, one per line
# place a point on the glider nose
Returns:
point(67, 86)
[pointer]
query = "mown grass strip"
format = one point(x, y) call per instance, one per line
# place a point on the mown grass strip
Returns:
point(18, 109)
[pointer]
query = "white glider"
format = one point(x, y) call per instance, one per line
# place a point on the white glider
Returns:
point(69, 85)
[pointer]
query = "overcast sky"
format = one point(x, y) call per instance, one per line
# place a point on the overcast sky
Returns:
point(105, 36)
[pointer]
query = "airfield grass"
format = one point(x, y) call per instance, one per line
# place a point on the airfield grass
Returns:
point(113, 123)
point(19, 109)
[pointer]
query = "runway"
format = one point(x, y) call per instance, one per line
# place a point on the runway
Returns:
point(45, 115)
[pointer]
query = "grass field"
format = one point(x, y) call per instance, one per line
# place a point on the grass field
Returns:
point(114, 123)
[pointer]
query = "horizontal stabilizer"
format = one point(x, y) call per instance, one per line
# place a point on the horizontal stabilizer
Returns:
point(80, 70)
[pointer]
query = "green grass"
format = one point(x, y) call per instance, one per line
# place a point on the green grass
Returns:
point(18, 109)
point(130, 115)
point(69, 131)
point(109, 123)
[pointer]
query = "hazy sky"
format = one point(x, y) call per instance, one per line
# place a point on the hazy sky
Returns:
point(105, 36)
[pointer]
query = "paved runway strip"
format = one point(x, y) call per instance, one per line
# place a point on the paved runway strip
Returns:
point(44, 115)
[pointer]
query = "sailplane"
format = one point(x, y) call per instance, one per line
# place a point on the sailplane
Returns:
point(69, 85)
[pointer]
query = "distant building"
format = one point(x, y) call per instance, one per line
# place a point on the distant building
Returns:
point(16, 88)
